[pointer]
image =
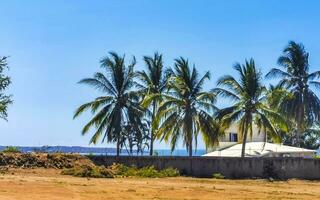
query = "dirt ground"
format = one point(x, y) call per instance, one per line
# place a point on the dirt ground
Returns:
point(49, 184)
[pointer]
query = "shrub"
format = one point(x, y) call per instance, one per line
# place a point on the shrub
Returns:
point(170, 172)
point(11, 149)
point(90, 155)
point(148, 172)
point(88, 171)
point(218, 176)
point(120, 170)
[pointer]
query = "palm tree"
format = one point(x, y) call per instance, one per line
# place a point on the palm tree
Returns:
point(302, 104)
point(153, 83)
point(185, 109)
point(309, 140)
point(135, 136)
point(249, 109)
point(118, 106)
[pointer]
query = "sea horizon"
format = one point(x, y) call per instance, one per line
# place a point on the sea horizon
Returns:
point(105, 150)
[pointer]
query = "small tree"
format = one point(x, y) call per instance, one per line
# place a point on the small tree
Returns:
point(5, 81)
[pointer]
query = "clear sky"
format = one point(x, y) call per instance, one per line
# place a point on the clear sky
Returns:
point(53, 44)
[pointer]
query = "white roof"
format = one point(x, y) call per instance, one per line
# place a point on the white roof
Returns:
point(257, 149)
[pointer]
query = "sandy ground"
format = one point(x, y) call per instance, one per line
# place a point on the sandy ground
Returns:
point(49, 184)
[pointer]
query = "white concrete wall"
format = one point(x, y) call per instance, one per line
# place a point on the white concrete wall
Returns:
point(256, 137)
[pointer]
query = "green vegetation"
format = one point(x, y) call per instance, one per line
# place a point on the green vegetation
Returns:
point(118, 107)
point(5, 81)
point(187, 110)
point(217, 176)
point(249, 108)
point(120, 170)
point(310, 139)
point(11, 149)
point(87, 171)
point(153, 83)
point(170, 104)
point(301, 105)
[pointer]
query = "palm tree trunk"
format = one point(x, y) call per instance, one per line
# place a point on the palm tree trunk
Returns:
point(244, 140)
point(152, 131)
point(190, 138)
point(118, 147)
point(300, 127)
point(190, 149)
point(125, 146)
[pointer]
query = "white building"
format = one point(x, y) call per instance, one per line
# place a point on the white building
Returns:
point(263, 149)
point(232, 135)
point(230, 146)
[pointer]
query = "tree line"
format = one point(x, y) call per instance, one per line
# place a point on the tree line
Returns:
point(170, 104)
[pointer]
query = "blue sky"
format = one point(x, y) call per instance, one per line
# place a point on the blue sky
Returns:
point(53, 44)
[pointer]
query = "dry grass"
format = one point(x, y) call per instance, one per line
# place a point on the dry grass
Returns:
point(39, 184)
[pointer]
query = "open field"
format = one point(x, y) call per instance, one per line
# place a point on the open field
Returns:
point(39, 184)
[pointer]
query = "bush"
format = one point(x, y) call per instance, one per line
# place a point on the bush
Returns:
point(218, 176)
point(148, 172)
point(11, 149)
point(88, 171)
point(170, 172)
point(120, 170)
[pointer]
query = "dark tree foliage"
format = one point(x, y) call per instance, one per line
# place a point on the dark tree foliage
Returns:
point(119, 105)
point(250, 106)
point(186, 109)
point(152, 83)
point(301, 104)
point(5, 81)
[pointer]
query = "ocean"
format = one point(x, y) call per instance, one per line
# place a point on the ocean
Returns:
point(105, 151)
point(179, 152)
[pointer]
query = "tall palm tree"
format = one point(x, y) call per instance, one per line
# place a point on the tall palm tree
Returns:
point(153, 83)
point(249, 109)
point(119, 104)
point(302, 104)
point(186, 109)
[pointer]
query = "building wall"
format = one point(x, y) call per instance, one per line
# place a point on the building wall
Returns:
point(282, 168)
point(256, 137)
